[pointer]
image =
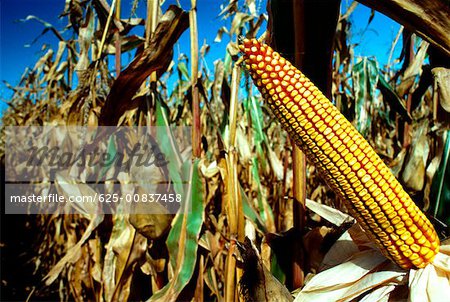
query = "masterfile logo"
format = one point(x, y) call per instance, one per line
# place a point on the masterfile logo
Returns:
point(72, 169)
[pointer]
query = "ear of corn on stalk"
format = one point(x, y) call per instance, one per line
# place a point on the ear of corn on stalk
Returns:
point(344, 158)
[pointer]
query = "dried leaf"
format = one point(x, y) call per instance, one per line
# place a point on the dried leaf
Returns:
point(65, 186)
point(220, 32)
point(74, 253)
point(432, 282)
point(442, 79)
point(333, 215)
point(128, 250)
point(238, 22)
point(152, 226)
point(414, 173)
point(350, 279)
point(314, 245)
point(257, 283)
point(85, 36)
point(243, 145)
point(156, 57)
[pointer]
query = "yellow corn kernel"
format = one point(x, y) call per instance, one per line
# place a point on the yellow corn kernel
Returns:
point(348, 163)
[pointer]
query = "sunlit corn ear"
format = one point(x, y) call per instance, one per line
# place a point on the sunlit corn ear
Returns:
point(344, 158)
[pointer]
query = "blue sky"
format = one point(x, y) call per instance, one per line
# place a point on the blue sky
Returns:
point(16, 53)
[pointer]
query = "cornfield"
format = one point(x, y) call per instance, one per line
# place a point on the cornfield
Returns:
point(259, 219)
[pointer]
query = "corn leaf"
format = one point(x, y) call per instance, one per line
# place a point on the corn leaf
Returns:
point(365, 79)
point(440, 188)
point(251, 214)
point(183, 237)
point(167, 143)
point(393, 99)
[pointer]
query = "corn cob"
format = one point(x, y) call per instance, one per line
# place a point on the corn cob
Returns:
point(344, 158)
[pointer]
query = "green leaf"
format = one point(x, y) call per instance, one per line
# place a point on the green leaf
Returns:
point(365, 79)
point(276, 269)
point(182, 68)
point(111, 151)
point(250, 213)
point(390, 96)
point(182, 241)
point(254, 110)
point(265, 211)
point(257, 120)
point(440, 188)
point(228, 62)
point(167, 144)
